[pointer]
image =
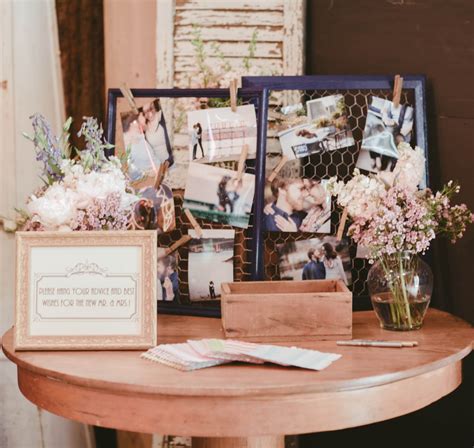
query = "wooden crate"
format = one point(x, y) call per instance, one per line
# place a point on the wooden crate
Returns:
point(287, 310)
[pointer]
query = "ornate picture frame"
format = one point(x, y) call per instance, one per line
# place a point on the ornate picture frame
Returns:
point(85, 290)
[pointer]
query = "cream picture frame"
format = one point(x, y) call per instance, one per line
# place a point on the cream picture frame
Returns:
point(85, 290)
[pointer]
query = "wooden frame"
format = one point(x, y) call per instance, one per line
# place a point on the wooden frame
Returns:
point(253, 96)
point(68, 284)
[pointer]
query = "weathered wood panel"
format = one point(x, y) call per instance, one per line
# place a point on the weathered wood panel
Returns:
point(230, 25)
point(240, 33)
point(233, 49)
point(254, 5)
point(225, 18)
point(269, 65)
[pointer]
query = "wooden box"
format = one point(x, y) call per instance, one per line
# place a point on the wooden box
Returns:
point(287, 310)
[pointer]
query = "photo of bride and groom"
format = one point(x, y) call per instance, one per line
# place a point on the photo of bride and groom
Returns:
point(323, 258)
point(297, 205)
point(146, 138)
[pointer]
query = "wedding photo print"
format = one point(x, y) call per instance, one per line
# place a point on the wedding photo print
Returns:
point(327, 129)
point(146, 138)
point(386, 126)
point(211, 262)
point(155, 209)
point(297, 205)
point(215, 194)
point(218, 134)
point(315, 259)
point(167, 282)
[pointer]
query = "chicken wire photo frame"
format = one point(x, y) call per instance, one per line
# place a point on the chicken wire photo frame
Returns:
point(356, 90)
point(245, 251)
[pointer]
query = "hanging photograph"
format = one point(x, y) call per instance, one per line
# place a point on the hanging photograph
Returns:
point(386, 126)
point(217, 195)
point(315, 259)
point(167, 280)
point(146, 138)
point(211, 262)
point(297, 205)
point(155, 209)
point(218, 134)
point(327, 129)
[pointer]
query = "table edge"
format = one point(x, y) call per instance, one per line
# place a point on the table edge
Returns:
point(287, 389)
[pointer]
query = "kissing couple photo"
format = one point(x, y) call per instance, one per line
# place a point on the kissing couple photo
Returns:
point(146, 137)
point(297, 205)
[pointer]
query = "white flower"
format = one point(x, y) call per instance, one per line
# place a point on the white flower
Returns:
point(55, 209)
point(99, 185)
point(410, 168)
point(361, 195)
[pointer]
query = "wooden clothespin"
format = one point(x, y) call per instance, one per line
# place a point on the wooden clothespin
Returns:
point(127, 94)
point(342, 224)
point(242, 159)
point(177, 244)
point(277, 169)
point(397, 90)
point(233, 95)
point(161, 174)
point(197, 228)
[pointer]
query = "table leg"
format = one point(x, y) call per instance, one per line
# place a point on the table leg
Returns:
point(237, 442)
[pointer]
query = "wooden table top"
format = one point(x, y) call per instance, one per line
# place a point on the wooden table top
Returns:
point(368, 384)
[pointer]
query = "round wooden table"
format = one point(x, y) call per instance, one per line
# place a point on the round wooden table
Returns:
point(245, 405)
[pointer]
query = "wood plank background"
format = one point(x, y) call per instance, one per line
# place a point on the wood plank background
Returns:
point(230, 25)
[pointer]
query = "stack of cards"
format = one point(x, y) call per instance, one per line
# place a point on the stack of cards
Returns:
point(194, 355)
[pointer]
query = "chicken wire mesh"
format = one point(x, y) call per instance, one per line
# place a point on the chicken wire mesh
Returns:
point(321, 165)
point(175, 108)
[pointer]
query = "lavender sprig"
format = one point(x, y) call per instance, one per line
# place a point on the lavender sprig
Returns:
point(93, 156)
point(48, 148)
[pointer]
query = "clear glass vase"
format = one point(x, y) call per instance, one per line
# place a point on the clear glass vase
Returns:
point(400, 287)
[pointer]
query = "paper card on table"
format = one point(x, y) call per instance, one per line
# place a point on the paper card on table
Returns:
point(181, 356)
point(293, 356)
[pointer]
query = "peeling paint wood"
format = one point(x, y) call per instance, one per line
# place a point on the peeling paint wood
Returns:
point(226, 18)
point(230, 24)
point(293, 43)
point(188, 64)
point(233, 49)
point(230, 34)
point(253, 5)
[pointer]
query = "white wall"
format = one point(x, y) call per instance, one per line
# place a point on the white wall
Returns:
point(30, 81)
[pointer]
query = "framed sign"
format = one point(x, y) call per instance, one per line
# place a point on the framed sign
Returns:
point(85, 290)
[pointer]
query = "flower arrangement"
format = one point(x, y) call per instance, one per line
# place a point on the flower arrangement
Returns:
point(395, 220)
point(83, 189)
point(390, 214)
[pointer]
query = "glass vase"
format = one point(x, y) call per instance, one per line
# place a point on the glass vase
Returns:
point(400, 287)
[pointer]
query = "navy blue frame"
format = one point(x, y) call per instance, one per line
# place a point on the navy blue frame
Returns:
point(416, 83)
point(257, 97)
